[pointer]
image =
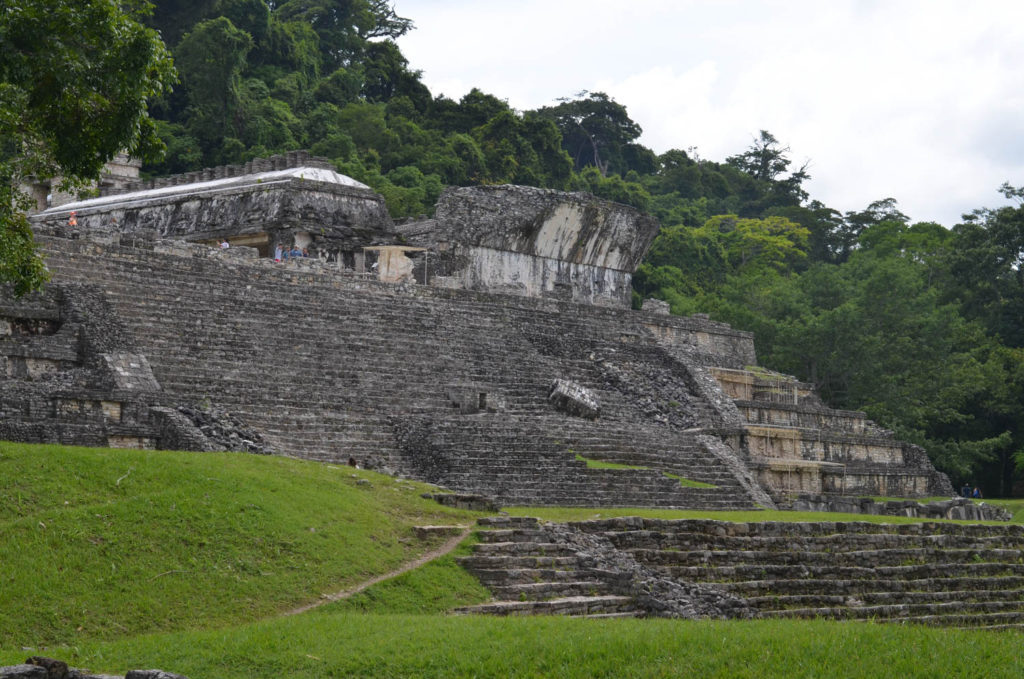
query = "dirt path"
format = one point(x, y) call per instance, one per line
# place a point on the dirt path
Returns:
point(345, 593)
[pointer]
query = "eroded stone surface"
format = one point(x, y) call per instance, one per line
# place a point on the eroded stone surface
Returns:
point(574, 399)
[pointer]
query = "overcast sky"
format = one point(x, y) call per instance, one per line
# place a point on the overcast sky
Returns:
point(920, 100)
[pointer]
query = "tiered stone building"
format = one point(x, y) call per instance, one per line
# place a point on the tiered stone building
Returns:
point(490, 349)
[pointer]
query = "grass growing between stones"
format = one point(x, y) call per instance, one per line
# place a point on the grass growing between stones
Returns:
point(688, 483)
point(101, 543)
point(601, 464)
point(385, 646)
point(1015, 507)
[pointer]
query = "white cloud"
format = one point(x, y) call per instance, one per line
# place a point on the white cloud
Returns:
point(918, 100)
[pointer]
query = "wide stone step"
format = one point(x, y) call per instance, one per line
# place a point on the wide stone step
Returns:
point(862, 558)
point(498, 577)
point(869, 586)
point(570, 606)
point(836, 543)
point(540, 591)
point(522, 548)
point(509, 562)
point(748, 572)
point(879, 598)
point(962, 611)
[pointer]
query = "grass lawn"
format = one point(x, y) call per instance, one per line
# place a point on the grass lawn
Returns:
point(102, 543)
point(117, 559)
point(384, 646)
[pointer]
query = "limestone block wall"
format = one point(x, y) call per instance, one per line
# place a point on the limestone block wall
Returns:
point(796, 445)
point(700, 340)
point(573, 227)
point(515, 273)
point(535, 242)
point(64, 378)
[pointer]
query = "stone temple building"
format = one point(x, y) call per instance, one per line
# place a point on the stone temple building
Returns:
point(490, 349)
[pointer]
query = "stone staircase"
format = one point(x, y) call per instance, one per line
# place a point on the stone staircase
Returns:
point(964, 575)
point(332, 366)
point(529, 575)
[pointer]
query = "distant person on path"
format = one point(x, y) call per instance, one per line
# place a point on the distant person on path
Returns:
point(976, 493)
point(224, 244)
point(277, 253)
point(965, 491)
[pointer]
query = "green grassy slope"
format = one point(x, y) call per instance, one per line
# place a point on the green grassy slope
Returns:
point(115, 560)
point(98, 543)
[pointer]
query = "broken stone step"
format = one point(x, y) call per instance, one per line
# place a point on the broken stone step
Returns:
point(525, 561)
point(521, 548)
point(538, 591)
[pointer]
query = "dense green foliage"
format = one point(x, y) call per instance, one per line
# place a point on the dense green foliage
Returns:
point(75, 80)
point(104, 543)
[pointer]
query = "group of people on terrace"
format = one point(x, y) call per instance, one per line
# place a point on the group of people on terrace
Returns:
point(282, 254)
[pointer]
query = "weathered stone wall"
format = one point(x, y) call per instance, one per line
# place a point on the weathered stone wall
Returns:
point(961, 509)
point(278, 203)
point(697, 339)
point(512, 273)
point(535, 242)
point(927, 572)
point(572, 227)
point(797, 445)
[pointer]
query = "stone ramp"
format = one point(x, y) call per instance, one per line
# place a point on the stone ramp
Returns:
point(331, 366)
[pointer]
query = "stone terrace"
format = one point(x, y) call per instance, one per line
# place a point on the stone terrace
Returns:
point(331, 366)
point(929, 573)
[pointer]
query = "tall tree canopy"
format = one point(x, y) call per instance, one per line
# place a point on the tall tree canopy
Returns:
point(75, 81)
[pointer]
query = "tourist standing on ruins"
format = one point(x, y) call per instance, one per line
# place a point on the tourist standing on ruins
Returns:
point(278, 253)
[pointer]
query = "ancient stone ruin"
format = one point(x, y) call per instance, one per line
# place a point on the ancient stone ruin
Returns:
point(925, 573)
point(489, 350)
